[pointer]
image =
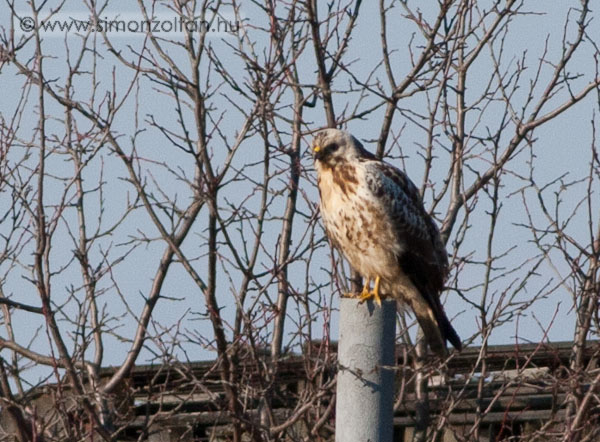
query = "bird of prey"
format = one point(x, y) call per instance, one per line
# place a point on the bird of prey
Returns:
point(374, 215)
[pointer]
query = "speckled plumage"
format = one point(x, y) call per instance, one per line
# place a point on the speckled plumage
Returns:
point(374, 215)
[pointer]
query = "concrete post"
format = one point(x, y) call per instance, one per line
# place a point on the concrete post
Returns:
point(365, 389)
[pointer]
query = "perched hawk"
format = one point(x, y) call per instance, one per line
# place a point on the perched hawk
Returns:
point(374, 215)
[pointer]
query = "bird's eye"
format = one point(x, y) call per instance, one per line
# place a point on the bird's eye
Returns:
point(332, 147)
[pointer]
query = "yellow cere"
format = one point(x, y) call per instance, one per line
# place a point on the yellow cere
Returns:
point(317, 148)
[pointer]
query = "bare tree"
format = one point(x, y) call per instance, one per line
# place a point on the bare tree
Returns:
point(158, 204)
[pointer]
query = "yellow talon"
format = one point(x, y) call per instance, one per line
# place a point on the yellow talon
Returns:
point(367, 294)
point(376, 291)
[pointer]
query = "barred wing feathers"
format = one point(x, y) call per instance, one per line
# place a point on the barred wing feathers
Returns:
point(423, 257)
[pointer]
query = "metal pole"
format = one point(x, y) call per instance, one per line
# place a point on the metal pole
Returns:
point(365, 381)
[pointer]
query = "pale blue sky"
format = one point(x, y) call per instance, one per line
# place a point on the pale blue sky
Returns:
point(562, 146)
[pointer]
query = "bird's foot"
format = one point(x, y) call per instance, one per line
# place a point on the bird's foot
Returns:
point(370, 295)
point(367, 294)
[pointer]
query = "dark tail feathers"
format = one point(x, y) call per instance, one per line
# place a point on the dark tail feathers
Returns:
point(447, 331)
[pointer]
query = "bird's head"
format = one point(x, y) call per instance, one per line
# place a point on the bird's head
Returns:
point(332, 147)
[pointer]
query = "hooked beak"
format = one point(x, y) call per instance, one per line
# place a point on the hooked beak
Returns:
point(317, 152)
